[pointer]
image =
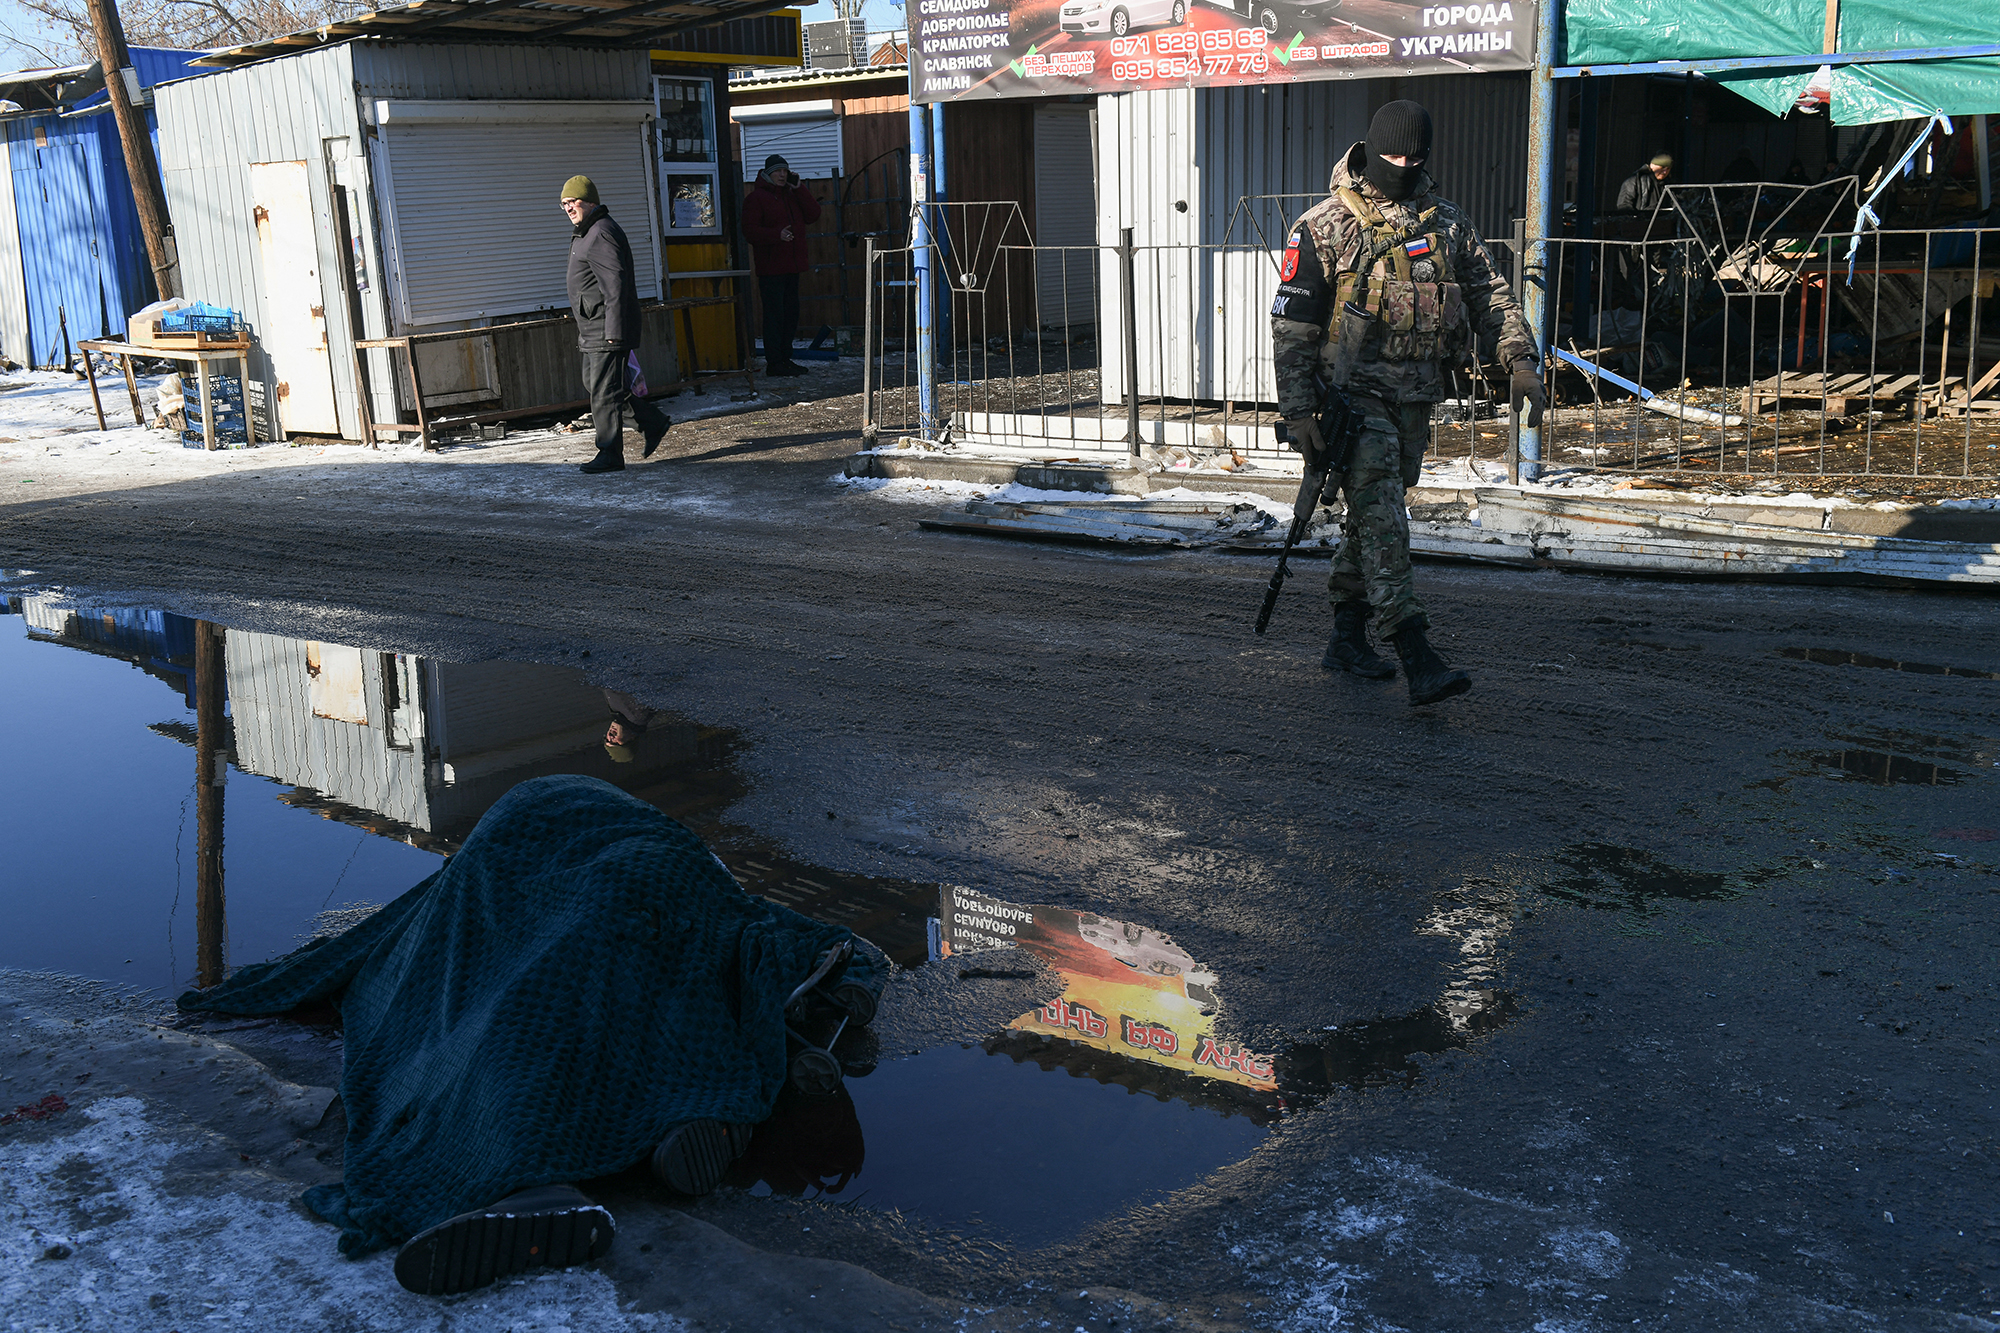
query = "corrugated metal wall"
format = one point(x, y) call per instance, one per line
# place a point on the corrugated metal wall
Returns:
point(310, 107)
point(518, 73)
point(77, 264)
point(299, 108)
point(69, 232)
point(1183, 167)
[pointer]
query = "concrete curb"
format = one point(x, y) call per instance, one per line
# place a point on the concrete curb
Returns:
point(1928, 523)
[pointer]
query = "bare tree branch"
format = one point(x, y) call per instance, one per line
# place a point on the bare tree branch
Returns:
point(186, 24)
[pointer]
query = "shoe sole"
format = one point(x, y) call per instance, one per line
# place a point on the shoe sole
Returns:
point(1456, 687)
point(692, 1159)
point(478, 1249)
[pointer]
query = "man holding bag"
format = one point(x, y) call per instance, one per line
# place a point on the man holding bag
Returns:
point(604, 297)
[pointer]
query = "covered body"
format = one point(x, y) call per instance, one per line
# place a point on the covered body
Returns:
point(581, 977)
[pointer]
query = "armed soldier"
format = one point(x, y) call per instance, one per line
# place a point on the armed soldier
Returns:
point(1383, 285)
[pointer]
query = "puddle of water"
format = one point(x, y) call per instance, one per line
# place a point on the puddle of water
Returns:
point(1886, 769)
point(106, 824)
point(967, 1139)
point(1841, 657)
point(1606, 876)
point(1383, 1052)
point(346, 774)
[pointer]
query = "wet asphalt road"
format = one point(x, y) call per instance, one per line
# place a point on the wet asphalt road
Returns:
point(1725, 971)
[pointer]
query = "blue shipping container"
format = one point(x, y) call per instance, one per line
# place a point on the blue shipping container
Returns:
point(82, 254)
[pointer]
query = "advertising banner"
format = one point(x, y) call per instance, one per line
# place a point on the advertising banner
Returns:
point(964, 49)
point(1126, 989)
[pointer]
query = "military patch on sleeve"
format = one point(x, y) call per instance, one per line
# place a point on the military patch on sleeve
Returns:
point(1290, 268)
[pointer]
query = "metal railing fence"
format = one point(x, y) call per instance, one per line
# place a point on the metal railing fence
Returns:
point(1723, 333)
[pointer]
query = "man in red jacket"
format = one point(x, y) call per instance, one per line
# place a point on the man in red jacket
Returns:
point(775, 217)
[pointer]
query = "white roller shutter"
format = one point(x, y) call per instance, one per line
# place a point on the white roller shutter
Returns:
point(805, 134)
point(469, 194)
point(1065, 214)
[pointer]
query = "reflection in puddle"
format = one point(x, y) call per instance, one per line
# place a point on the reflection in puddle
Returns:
point(1885, 769)
point(1127, 990)
point(1841, 657)
point(1890, 758)
point(395, 747)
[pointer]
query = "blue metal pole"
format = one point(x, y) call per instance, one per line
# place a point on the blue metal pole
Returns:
point(920, 266)
point(941, 238)
point(1540, 198)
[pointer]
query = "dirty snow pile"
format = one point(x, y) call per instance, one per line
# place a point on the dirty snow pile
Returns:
point(920, 490)
point(96, 1232)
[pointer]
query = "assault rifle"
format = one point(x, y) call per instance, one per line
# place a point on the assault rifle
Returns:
point(1340, 425)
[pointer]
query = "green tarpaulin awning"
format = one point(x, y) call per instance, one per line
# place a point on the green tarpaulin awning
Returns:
point(1614, 32)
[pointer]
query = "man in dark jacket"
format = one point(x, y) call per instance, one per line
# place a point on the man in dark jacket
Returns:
point(775, 217)
point(1642, 191)
point(604, 297)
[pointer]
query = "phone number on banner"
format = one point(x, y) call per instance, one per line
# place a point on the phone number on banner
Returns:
point(1211, 54)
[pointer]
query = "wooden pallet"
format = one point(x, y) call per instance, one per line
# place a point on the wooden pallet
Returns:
point(1840, 394)
point(198, 341)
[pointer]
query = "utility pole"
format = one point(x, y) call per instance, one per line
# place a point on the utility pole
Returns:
point(140, 165)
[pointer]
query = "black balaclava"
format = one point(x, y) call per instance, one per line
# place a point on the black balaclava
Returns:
point(1402, 128)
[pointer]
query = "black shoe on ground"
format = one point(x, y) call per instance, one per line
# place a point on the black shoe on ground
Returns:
point(1348, 649)
point(1430, 678)
point(692, 1158)
point(785, 369)
point(653, 441)
point(603, 463)
point(550, 1226)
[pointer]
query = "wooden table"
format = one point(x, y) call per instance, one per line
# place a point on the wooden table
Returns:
point(200, 357)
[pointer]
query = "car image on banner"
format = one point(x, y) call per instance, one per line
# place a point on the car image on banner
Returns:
point(1116, 18)
point(966, 49)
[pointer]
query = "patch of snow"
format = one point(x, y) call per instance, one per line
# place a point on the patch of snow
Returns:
point(1598, 1253)
point(913, 489)
point(144, 1255)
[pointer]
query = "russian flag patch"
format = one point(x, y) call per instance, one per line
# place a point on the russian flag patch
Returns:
point(1417, 248)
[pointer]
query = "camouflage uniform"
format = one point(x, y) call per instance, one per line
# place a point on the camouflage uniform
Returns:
point(1433, 289)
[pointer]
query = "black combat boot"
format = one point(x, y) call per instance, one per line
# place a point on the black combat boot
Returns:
point(1429, 676)
point(1348, 650)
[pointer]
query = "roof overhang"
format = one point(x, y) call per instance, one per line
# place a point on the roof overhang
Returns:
point(626, 24)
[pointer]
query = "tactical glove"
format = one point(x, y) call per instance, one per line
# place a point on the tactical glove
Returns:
point(1526, 389)
point(1306, 438)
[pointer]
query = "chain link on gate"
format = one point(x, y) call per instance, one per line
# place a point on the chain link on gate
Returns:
point(1720, 335)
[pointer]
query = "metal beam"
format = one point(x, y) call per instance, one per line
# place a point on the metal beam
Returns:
point(1536, 308)
point(637, 11)
point(1738, 64)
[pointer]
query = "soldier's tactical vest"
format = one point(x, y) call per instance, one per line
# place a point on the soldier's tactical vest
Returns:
point(1418, 321)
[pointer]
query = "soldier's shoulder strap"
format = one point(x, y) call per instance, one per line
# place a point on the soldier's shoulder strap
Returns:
point(1386, 237)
